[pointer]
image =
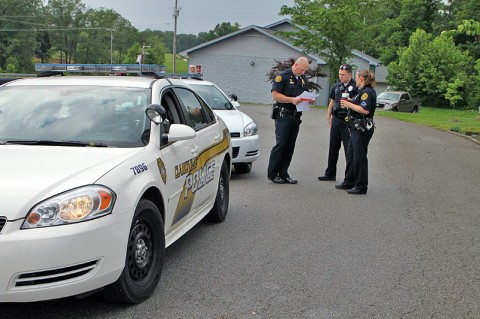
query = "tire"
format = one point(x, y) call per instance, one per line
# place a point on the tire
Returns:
point(243, 168)
point(395, 109)
point(144, 258)
point(220, 208)
point(415, 109)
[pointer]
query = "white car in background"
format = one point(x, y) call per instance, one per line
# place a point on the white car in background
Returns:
point(243, 130)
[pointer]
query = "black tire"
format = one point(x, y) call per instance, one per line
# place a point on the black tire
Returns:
point(144, 259)
point(220, 208)
point(394, 109)
point(243, 168)
point(415, 109)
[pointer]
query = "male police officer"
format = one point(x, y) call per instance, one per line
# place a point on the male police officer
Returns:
point(286, 88)
point(336, 118)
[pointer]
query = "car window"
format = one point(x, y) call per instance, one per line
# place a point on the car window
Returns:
point(405, 97)
point(196, 111)
point(213, 97)
point(110, 116)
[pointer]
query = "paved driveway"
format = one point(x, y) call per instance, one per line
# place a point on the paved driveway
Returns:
point(410, 248)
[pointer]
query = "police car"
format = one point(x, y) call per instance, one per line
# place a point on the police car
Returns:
point(243, 130)
point(99, 174)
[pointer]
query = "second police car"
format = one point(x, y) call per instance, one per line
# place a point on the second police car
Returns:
point(99, 175)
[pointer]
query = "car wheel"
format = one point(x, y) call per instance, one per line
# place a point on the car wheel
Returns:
point(220, 208)
point(243, 168)
point(144, 259)
point(415, 109)
point(395, 109)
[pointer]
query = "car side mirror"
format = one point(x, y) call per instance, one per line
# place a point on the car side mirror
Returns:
point(156, 113)
point(233, 97)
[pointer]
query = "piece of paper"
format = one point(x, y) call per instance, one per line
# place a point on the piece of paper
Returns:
point(305, 105)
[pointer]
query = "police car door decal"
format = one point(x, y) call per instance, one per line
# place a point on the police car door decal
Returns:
point(200, 172)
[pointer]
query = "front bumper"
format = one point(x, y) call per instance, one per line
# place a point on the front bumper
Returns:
point(245, 149)
point(61, 261)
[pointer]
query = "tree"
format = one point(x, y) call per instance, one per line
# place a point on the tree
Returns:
point(66, 18)
point(401, 19)
point(433, 68)
point(220, 30)
point(14, 41)
point(324, 29)
point(311, 73)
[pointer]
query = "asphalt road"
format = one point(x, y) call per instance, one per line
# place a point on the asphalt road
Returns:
point(410, 248)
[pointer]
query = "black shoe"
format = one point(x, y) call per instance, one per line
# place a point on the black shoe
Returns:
point(277, 180)
point(326, 178)
point(356, 191)
point(342, 186)
point(290, 180)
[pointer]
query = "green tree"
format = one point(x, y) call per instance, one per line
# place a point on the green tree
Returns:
point(67, 19)
point(433, 68)
point(400, 19)
point(329, 28)
point(17, 38)
point(220, 30)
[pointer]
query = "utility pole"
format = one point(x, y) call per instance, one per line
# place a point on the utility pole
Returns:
point(176, 13)
point(111, 44)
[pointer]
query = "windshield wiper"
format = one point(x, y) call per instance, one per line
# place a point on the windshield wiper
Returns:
point(56, 143)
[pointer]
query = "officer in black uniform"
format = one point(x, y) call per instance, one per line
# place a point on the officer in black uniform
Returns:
point(286, 88)
point(336, 119)
point(360, 122)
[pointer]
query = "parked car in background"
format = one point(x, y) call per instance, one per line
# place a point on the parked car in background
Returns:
point(243, 129)
point(397, 101)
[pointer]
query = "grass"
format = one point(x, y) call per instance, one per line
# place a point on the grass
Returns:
point(181, 65)
point(460, 121)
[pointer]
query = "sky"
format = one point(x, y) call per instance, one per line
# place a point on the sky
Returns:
point(195, 15)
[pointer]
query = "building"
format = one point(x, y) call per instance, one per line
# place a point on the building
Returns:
point(240, 61)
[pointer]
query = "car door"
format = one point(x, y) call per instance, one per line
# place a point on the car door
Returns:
point(209, 137)
point(404, 103)
point(178, 159)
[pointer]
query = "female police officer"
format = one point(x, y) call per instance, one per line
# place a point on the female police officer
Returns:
point(360, 122)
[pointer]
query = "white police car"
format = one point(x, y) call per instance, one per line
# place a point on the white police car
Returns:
point(99, 174)
point(243, 130)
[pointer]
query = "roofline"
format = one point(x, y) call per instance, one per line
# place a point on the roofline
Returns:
point(260, 30)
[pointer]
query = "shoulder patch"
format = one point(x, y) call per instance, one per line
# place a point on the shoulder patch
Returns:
point(278, 78)
point(364, 96)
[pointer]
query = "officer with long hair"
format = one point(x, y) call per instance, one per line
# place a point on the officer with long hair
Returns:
point(360, 121)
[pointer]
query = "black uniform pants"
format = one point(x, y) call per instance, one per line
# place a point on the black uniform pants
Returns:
point(356, 174)
point(287, 126)
point(339, 134)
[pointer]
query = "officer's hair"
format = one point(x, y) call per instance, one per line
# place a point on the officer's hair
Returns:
point(368, 76)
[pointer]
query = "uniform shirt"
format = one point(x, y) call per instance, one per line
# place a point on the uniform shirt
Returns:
point(367, 99)
point(288, 84)
point(338, 89)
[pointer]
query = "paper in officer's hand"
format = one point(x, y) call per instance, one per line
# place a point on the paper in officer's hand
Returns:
point(305, 97)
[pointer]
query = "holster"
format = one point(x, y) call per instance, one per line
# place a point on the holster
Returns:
point(275, 112)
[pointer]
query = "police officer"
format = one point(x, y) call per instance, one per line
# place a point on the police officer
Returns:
point(286, 88)
point(360, 121)
point(336, 119)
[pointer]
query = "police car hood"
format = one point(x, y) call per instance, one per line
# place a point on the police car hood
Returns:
point(234, 119)
point(30, 174)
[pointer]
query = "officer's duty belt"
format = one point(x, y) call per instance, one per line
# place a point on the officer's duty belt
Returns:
point(341, 116)
point(289, 111)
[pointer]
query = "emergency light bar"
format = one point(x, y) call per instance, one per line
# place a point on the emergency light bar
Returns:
point(101, 68)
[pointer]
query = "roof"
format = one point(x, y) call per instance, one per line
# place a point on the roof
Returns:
point(265, 31)
point(270, 32)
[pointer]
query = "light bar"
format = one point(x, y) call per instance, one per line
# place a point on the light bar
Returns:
point(101, 68)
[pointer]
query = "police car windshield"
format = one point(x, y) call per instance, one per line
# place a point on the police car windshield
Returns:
point(106, 116)
point(213, 97)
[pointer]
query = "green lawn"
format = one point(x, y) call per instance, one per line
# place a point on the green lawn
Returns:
point(181, 65)
point(464, 122)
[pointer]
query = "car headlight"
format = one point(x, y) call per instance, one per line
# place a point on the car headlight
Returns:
point(250, 129)
point(387, 106)
point(74, 206)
